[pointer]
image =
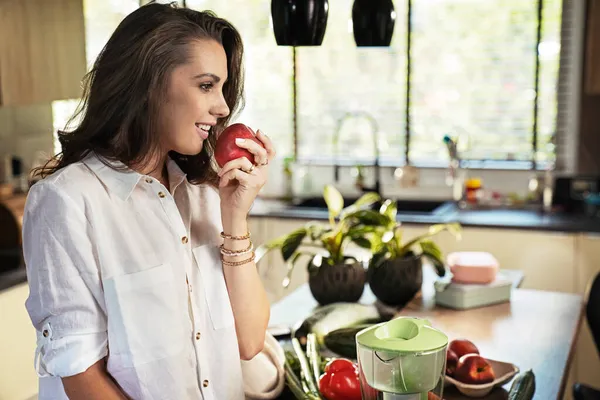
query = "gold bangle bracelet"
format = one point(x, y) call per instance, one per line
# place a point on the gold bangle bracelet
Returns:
point(237, 263)
point(234, 253)
point(226, 236)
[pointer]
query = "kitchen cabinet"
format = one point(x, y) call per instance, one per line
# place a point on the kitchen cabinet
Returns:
point(547, 259)
point(272, 267)
point(18, 379)
point(587, 361)
point(592, 57)
point(42, 51)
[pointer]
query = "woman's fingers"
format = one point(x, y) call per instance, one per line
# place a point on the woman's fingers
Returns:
point(266, 141)
point(243, 178)
point(239, 163)
point(259, 152)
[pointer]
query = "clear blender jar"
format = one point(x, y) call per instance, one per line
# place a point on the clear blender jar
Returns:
point(402, 359)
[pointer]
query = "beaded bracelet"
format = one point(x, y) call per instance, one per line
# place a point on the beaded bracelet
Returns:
point(236, 253)
point(237, 263)
point(226, 236)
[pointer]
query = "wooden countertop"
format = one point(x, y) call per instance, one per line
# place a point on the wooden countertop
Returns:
point(535, 330)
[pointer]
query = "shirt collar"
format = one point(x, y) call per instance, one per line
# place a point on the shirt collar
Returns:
point(121, 180)
point(176, 175)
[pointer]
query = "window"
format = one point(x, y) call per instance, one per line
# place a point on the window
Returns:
point(268, 68)
point(472, 75)
point(337, 78)
point(483, 70)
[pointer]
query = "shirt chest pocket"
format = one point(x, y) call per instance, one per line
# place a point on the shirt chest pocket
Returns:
point(145, 321)
point(209, 264)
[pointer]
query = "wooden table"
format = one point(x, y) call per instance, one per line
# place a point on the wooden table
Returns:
point(536, 330)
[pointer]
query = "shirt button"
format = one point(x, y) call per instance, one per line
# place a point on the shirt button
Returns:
point(161, 195)
point(205, 383)
point(197, 335)
point(184, 240)
point(148, 180)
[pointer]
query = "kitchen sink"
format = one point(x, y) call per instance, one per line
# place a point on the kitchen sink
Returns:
point(428, 207)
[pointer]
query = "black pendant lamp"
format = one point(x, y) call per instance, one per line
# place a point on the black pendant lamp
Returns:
point(373, 22)
point(299, 22)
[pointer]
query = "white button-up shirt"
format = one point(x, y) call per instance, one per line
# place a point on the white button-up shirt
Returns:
point(120, 267)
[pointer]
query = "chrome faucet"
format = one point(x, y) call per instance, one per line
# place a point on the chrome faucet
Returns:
point(374, 134)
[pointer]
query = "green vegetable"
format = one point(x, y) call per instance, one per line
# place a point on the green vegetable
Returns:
point(523, 387)
point(343, 341)
point(314, 356)
point(294, 384)
point(331, 317)
point(306, 373)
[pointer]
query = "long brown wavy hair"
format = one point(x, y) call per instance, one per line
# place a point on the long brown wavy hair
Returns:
point(126, 88)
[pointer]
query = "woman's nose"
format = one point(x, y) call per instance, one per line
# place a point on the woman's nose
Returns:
point(220, 109)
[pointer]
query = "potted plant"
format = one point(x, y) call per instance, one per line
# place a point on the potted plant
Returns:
point(335, 275)
point(395, 272)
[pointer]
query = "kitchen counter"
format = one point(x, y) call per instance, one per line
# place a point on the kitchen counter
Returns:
point(535, 330)
point(500, 218)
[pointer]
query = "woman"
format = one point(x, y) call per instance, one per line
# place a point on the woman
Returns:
point(140, 265)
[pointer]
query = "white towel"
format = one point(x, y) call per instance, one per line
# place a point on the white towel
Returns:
point(264, 375)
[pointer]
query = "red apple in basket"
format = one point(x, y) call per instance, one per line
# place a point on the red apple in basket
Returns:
point(474, 369)
point(226, 149)
point(451, 362)
point(460, 347)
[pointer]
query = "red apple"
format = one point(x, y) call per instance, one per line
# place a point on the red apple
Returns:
point(463, 346)
point(474, 369)
point(226, 149)
point(451, 362)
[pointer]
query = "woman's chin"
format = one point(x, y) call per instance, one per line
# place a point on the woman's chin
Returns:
point(190, 150)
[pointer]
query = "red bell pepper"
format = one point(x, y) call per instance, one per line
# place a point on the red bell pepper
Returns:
point(340, 381)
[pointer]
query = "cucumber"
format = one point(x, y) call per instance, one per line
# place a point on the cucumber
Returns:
point(523, 387)
point(331, 317)
point(343, 341)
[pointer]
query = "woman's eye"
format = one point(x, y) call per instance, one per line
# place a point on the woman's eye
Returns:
point(206, 87)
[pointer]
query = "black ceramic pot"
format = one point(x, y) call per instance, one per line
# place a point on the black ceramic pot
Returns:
point(337, 283)
point(299, 22)
point(395, 282)
point(373, 22)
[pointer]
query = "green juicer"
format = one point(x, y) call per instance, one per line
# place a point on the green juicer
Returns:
point(402, 359)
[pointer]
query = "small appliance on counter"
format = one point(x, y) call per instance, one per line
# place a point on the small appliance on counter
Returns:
point(571, 192)
point(475, 280)
point(402, 359)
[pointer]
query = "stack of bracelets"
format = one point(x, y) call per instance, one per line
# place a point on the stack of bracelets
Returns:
point(237, 253)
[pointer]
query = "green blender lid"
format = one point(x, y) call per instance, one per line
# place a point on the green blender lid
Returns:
point(403, 335)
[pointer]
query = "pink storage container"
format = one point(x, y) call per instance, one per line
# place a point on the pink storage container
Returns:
point(472, 267)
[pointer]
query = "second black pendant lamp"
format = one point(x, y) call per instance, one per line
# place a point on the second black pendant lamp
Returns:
point(299, 22)
point(373, 22)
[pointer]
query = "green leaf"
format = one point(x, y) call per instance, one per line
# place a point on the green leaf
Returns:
point(362, 242)
point(291, 263)
point(367, 199)
point(389, 209)
point(369, 217)
point(434, 254)
point(364, 201)
point(378, 258)
point(334, 200)
point(263, 249)
point(362, 230)
point(292, 242)
point(433, 230)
